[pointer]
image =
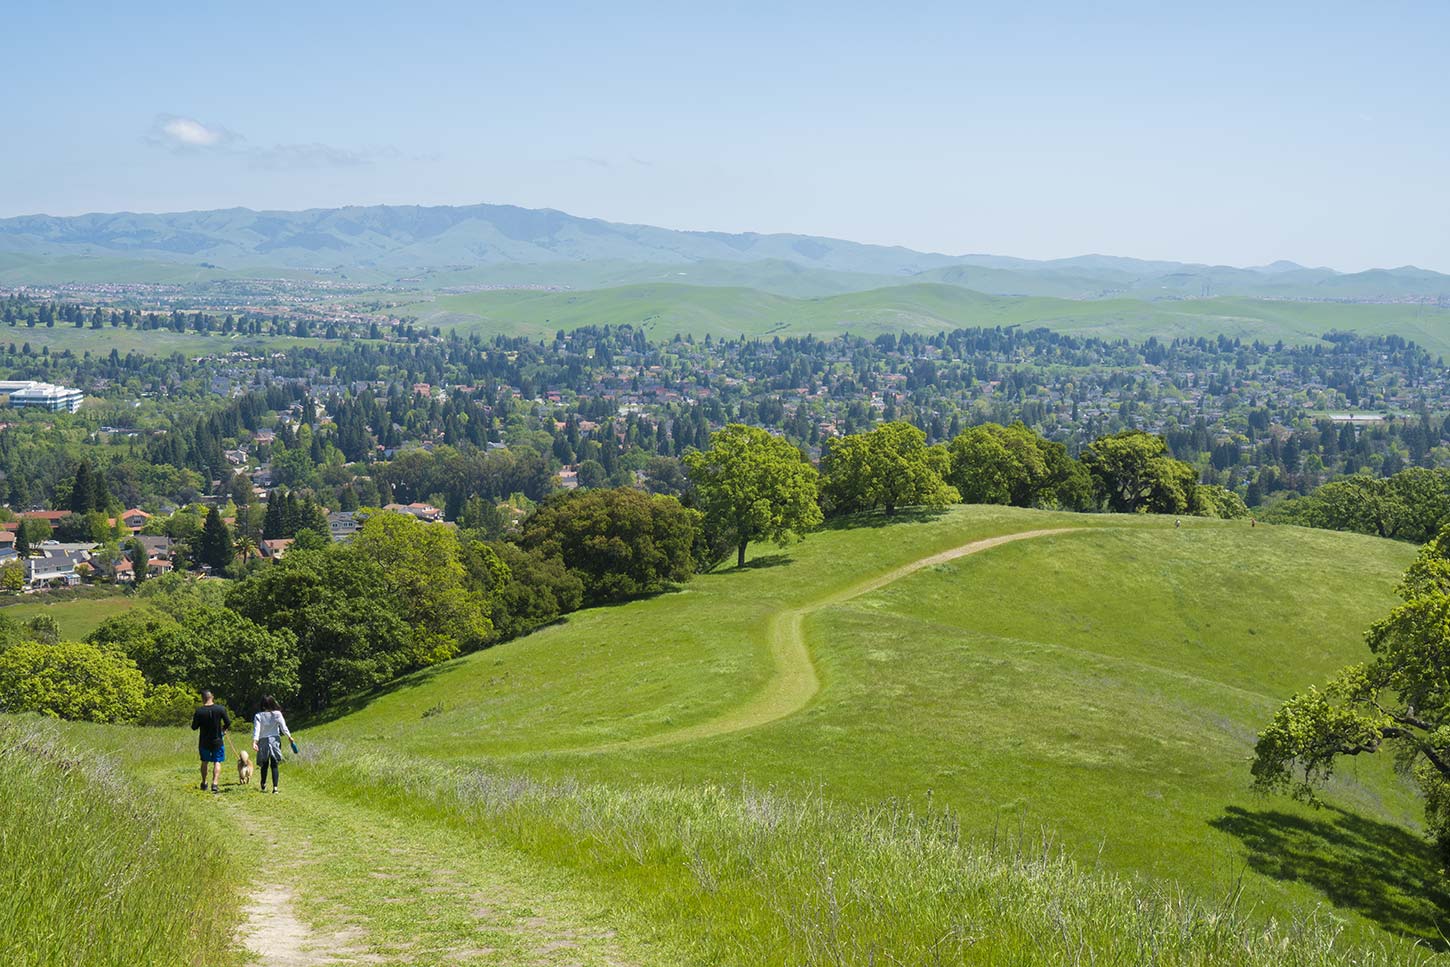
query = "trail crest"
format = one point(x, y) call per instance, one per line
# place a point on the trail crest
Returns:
point(794, 682)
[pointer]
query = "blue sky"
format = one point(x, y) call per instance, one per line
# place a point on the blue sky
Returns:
point(1233, 133)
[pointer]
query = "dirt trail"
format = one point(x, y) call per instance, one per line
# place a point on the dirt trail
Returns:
point(342, 882)
point(794, 681)
point(274, 935)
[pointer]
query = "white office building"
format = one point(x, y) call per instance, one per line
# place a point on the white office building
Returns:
point(46, 396)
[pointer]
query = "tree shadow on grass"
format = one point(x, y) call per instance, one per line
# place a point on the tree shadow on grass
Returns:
point(1385, 873)
point(361, 700)
point(760, 563)
point(877, 518)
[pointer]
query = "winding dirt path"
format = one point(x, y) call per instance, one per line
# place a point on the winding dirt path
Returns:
point(794, 681)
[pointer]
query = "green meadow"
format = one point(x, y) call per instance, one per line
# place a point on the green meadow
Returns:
point(984, 736)
point(150, 342)
point(668, 308)
point(1105, 683)
point(77, 616)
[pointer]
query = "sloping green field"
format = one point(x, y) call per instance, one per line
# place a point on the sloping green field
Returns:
point(77, 617)
point(665, 309)
point(986, 736)
point(1105, 683)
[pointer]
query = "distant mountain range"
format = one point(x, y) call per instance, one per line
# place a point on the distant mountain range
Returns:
point(506, 245)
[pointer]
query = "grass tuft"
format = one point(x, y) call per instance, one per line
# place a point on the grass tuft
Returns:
point(93, 872)
point(748, 876)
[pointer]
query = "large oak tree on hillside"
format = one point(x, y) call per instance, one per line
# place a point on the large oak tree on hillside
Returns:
point(889, 467)
point(621, 543)
point(995, 464)
point(753, 486)
point(1134, 474)
point(1399, 700)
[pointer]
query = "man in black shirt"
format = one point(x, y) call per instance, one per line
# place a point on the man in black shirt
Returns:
point(211, 722)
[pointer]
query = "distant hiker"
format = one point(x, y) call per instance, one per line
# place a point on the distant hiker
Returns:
point(1253, 522)
point(211, 722)
point(268, 726)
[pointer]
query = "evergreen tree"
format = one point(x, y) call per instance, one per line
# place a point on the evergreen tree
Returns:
point(83, 491)
point(274, 524)
point(139, 560)
point(215, 546)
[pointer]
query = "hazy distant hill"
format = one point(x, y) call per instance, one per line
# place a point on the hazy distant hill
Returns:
point(413, 237)
point(507, 245)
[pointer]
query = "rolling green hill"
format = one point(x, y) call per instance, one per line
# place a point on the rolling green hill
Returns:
point(985, 736)
point(1106, 683)
point(666, 309)
point(499, 243)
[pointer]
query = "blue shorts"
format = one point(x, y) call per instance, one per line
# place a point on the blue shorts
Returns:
point(218, 754)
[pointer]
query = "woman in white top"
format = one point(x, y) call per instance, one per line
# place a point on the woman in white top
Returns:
point(267, 727)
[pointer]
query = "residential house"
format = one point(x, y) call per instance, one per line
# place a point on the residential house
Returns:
point(45, 572)
point(276, 549)
point(156, 546)
point(135, 519)
point(51, 517)
point(56, 566)
point(342, 524)
point(424, 512)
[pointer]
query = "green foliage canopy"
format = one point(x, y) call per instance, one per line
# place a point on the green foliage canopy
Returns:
point(888, 467)
point(71, 680)
point(1133, 474)
point(422, 564)
point(753, 486)
point(1400, 699)
point(621, 543)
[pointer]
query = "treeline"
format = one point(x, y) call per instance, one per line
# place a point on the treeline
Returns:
point(18, 311)
point(332, 619)
point(1412, 505)
point(1238, 412)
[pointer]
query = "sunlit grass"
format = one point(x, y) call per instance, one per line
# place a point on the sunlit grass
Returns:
point(95, 871)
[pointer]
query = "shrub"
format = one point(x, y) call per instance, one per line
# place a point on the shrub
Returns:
point(42, 628)
point(70, 680)
point(168, 705)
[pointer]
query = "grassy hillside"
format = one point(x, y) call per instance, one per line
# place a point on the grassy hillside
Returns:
point(77, 617)
point(95, 871)
point(917, 740)
point(150, 342)
point(1106, 684)
point(665, 309)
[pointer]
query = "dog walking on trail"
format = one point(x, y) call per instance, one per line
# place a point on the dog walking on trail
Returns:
point(268, 726)
point(211, 722)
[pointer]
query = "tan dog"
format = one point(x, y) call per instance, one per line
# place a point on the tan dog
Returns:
point(244, 768)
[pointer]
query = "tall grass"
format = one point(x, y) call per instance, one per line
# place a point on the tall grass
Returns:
point(92, 872)
point(750, 878)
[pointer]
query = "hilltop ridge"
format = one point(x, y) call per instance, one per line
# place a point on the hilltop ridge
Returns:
point(508, 244)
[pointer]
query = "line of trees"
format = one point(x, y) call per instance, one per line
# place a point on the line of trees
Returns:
point(750, 485)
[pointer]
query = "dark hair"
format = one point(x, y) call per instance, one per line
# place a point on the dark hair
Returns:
point(206, 696)
point(269, 704)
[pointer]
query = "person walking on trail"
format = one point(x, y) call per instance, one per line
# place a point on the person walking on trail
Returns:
point(211, 722)
point(268, 726)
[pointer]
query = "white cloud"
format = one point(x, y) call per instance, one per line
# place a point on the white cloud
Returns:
point(188, 136)
point(191, 132)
